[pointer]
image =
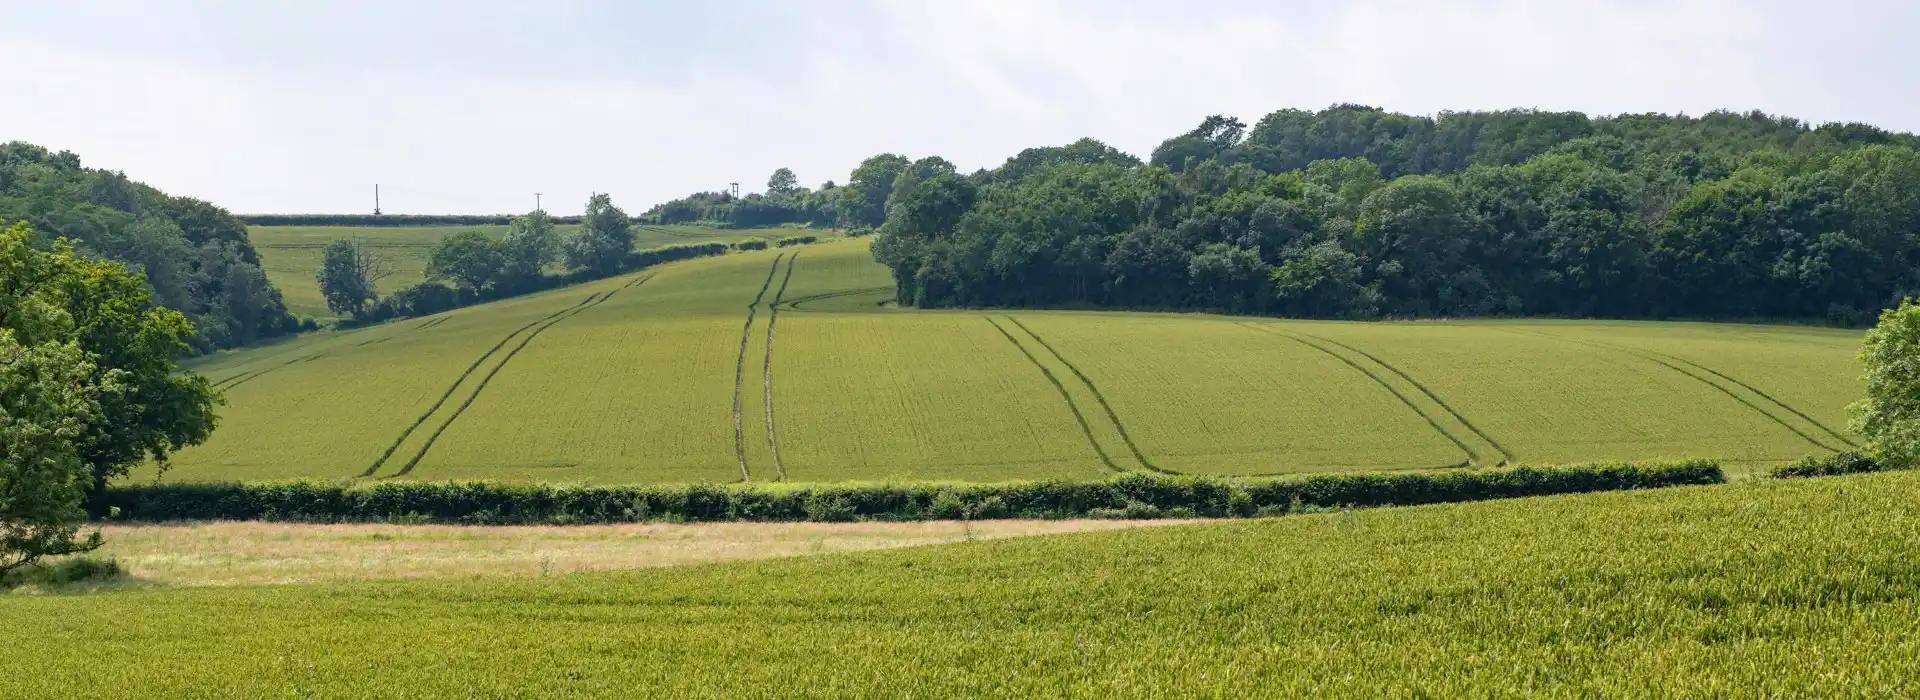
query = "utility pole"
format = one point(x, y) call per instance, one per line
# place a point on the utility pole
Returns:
point(376, 199)
point(536, 202)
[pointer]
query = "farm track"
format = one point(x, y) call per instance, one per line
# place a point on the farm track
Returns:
point(1657, 358)
point(455, 386)
point(1078, 416)
point(766, 370)
point(1472, 457)
point(1505, 454)
point(244, 377)
point(576, 310)
point(794, 304)
point(1118, 427)
point(740, 370)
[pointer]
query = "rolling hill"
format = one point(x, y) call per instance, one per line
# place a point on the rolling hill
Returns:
point(791, 364)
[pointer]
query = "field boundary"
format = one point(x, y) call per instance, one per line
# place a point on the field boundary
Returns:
point(1505, 453)
point(455, 386)
point(766, 370)
point(1118, 427)
point(1133, 494)
point(482, 386)
point(1086, 428)
point(1472, 457)
point(740, 371)
point(1655, 358)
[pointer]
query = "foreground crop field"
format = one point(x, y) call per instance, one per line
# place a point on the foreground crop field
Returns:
point(291, 254)
point(791, 364)
point(1761, 589)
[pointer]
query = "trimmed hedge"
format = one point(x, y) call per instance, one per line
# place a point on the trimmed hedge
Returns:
point(797, 240)
point(1851, 462)
point(750, 245)
point(1133, 495)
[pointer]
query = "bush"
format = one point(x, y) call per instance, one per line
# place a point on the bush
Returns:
point(1130, 495)
point(797, 240)
point(751, 245)
point(71, 571)
point(1852, 462)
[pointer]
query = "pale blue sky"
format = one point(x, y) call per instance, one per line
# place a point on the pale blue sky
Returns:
point(473, 106)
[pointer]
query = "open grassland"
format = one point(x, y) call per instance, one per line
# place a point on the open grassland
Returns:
point(1761, 589)
point(247, 553)
point(785, 365)
point(290, 255)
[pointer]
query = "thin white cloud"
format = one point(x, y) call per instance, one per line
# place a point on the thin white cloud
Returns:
point(973, 81)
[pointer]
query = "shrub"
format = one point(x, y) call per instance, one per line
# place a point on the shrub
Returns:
point(70, 571)
point(751, 245)
point(1851, 462)
point(1133, 495)
point(797, 240)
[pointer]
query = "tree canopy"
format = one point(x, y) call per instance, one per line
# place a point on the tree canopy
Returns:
point(194, 257)
point(1354, 212)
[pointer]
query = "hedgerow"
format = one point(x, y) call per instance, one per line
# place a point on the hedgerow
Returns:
point(1133, 495)
point(750, 245)
point(797, 240)
point(1851, 462)
point(387, 219)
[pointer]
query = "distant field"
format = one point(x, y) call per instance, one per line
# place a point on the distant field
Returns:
point(291, 254)
point(659, 376)
point(1762, 589)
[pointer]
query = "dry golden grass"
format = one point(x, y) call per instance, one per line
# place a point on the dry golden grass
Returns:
point(245, 553)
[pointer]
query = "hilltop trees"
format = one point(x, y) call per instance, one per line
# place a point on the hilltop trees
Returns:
point(604, 240)
point(194, 257)
point(87, 389)
point(1353, 212)
point(349, 273)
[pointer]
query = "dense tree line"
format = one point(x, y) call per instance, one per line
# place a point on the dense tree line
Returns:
point(1353, 212)
point(194, 256)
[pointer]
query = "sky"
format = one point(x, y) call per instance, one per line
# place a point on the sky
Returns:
point(467, 106)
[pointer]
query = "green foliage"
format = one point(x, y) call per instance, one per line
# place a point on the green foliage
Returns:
point(489, 502)
point(471, 260)
point(1467, 214)
point(797, 240)
point(1849, 462)
point(750, 245)
point(529, 248)
point(388, 220)
point(349, 271)
point(194, 257)
point(87, 389)
point(604, 238)
point(1889, 416)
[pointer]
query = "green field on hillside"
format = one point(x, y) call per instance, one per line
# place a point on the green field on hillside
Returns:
point(1761, 589)
point(666, 375)
point(291, 254)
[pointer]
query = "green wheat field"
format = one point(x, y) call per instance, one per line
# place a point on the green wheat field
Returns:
point(792, 364)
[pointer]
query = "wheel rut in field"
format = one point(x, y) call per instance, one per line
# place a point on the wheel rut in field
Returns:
point(1662, 359)
point(455, 385)
point(1080, 417)
point(244, 377)
point(794, 304)
point(766, 370)
point(1472, 456)
point(1506, 455)
point(740, 371)
point(1098, 397)
point(570, 312)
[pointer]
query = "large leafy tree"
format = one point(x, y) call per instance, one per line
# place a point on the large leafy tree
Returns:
point(468, 259)
point(863, 201)
point(531, 245)
point(87, 389)
point(350, 273)
point(604, 240)
point(1889, 416)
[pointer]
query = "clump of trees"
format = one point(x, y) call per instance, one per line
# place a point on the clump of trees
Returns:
point(1353, 212)
point(193, 257)
point(87, 390)
point(785, 202)
point(467, 267)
